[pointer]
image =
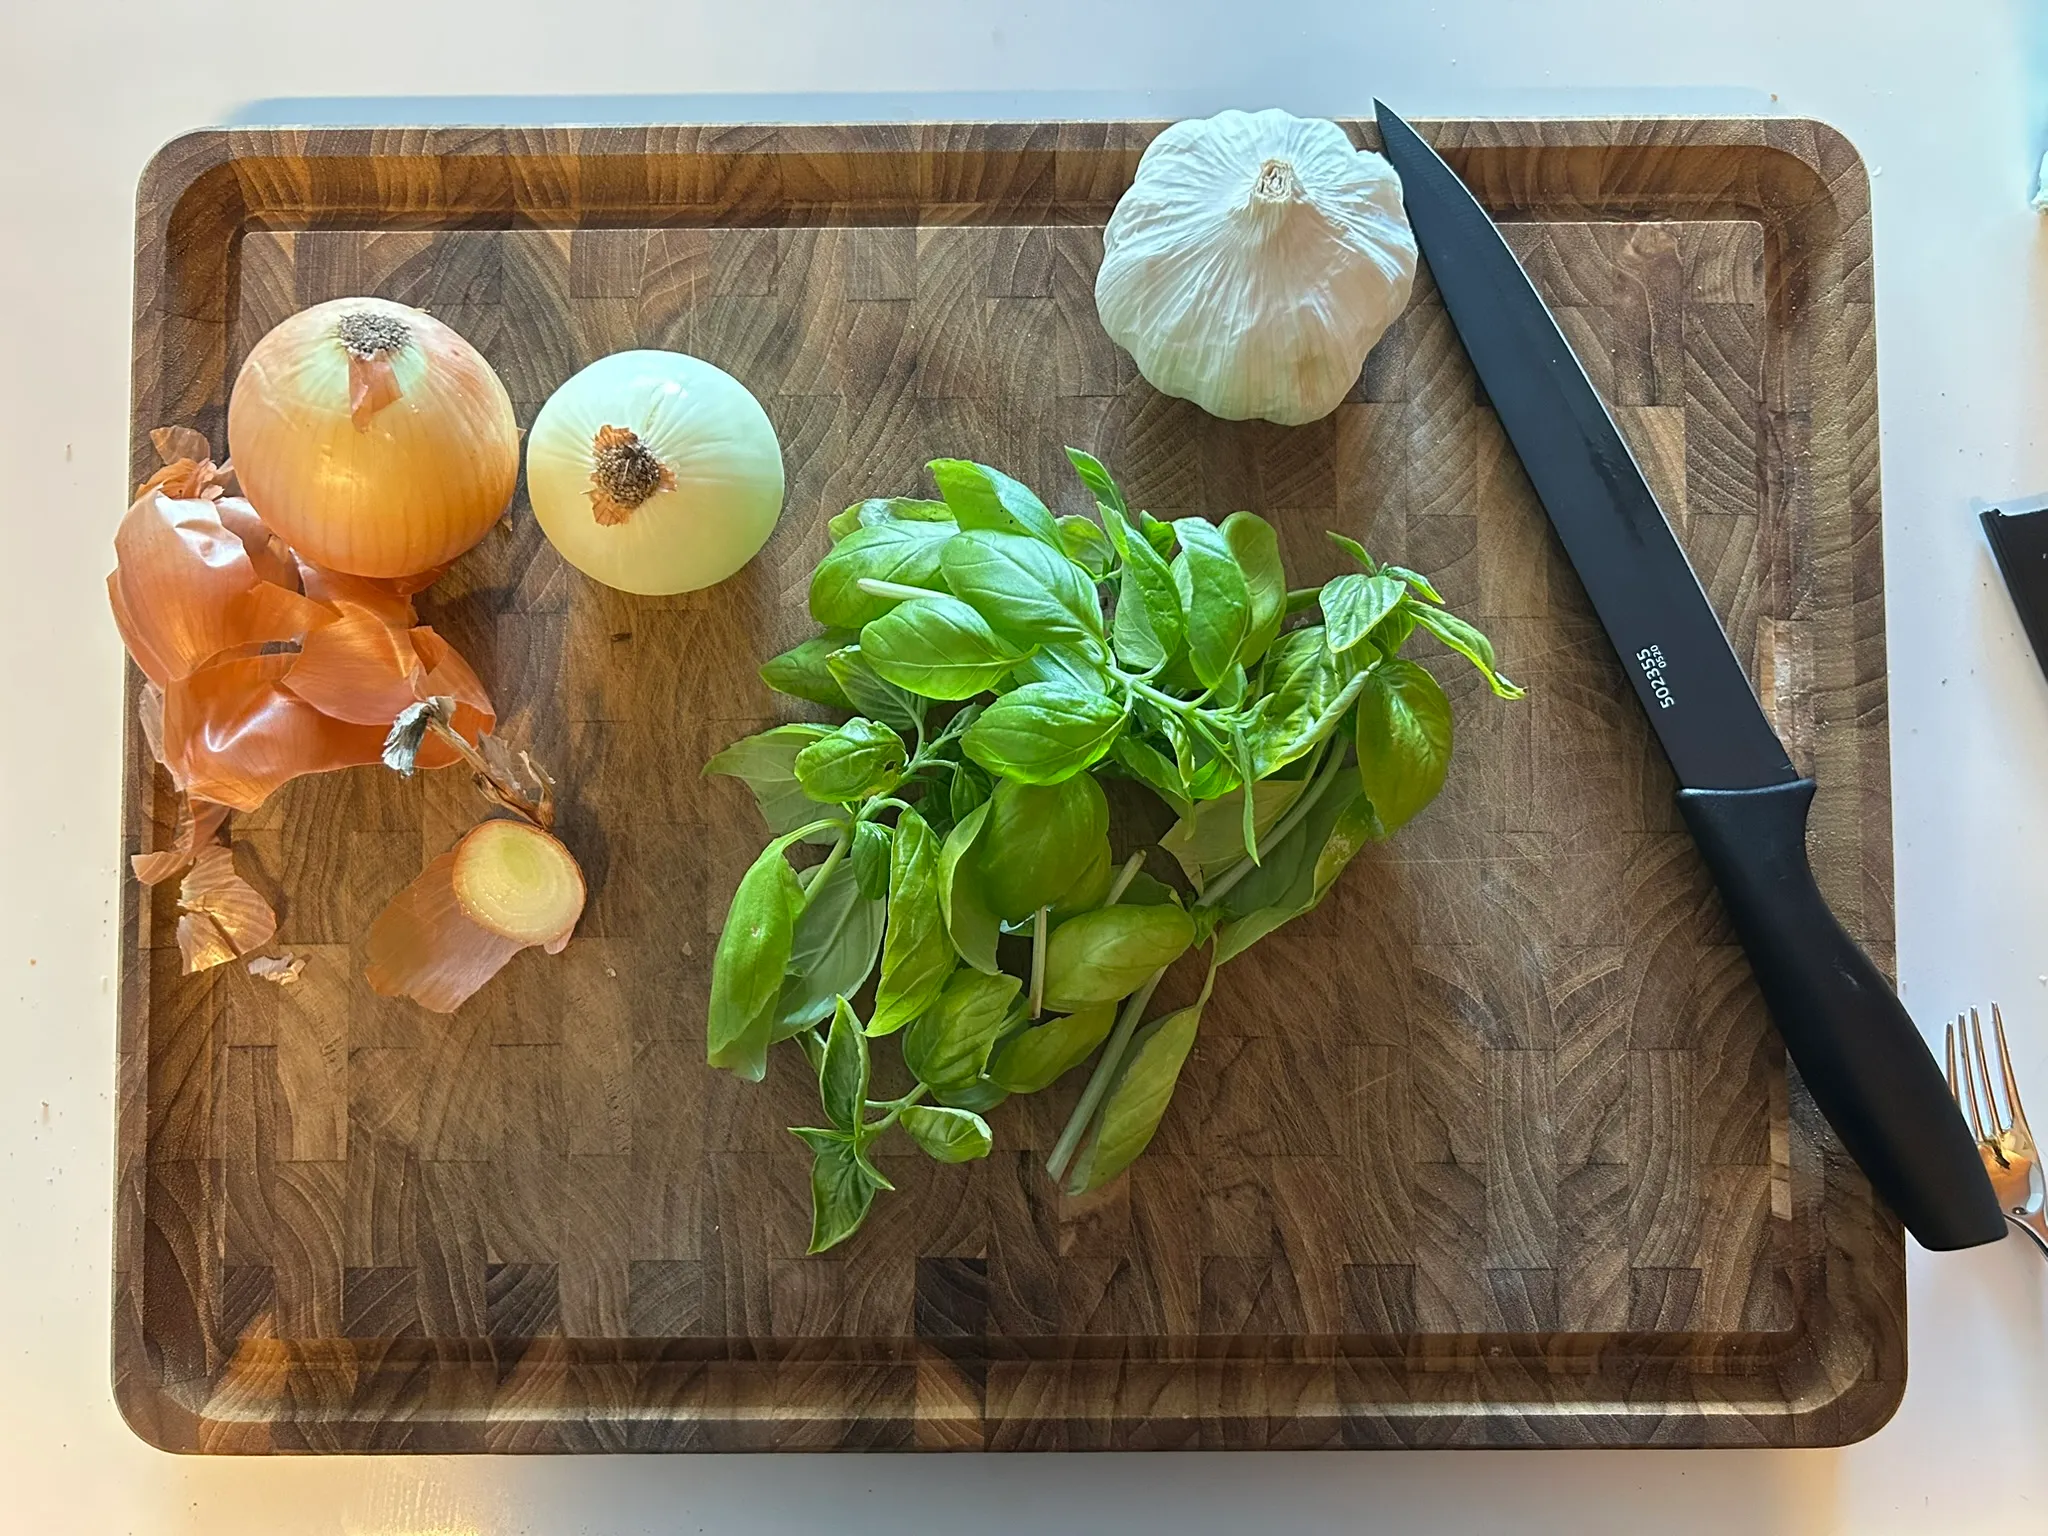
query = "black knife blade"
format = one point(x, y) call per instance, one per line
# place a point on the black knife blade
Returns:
point(1859, 1053)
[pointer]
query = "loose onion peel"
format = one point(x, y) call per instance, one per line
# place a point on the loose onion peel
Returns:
point(262, 666)
point(209, 599)
point(221, 917)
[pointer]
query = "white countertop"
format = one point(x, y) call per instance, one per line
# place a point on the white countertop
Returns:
point(1949, 105)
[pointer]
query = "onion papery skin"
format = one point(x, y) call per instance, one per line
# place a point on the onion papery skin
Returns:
point(707, 430)
point(420, 480)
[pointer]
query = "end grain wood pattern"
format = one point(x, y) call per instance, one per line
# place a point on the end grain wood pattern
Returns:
point(1496, 1148)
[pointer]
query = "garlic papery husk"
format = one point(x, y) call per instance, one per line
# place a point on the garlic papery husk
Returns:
point(1253, 263)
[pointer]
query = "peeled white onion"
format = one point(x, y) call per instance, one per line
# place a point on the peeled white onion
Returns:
point(655, 472)
point(372, 438)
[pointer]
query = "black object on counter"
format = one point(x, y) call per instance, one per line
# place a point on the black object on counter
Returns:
point(2019, 542)
point(1860, 1054)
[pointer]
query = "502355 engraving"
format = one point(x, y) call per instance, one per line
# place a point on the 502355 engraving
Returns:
point(1651, 659)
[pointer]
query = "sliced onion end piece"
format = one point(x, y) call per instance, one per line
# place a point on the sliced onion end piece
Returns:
point(423, 946)
point(516, 881)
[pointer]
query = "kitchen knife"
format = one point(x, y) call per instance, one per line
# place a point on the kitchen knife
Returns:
point(1859, 1053)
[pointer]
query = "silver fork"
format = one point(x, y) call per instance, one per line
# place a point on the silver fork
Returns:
point(2003, 1138)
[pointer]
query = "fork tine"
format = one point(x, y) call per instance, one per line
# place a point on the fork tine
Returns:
point(1998, 1127)
point(2012, 1086)
point(1955, 1090)
point(1967, 1095)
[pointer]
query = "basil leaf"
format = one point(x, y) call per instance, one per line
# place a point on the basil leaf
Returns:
point(1301, 671)
point(1044, 732)
point(869, 857)
point(843, 1075)
point(1158, 534)
point(1353, 548)
point(901, 551)
point(939, 647)
point(1131, 1113)
point(1256, 548)
point(977, 1097)
point(872, 694)
point(948, 1135)
point(1302, 680)
point(746, 971)
point(951, 1040)
point(1353, 607)
point(887, 509)
point(1149, 626)
point(1067, 664)
point(1214, 773)
point(1212, 840)
point(970, 788)
point(1416, 580)
point(1394, 629)
point(916, 957)
point(1097, 479)
point(1404, 741)
point(1297, 873)
point(981, 497)
point(834, 1143)
point(842, 1191)
point(1026, 589)
point(1089, 887)
point(1035, 1059)
point(1153, 768)
point(971, 926)
point(1146, 891)
point(1230, 690)
point(1039, 840)
point(1106, 954)
point(802, 673)
point(1086, 545)
point(832, 947)
point(1469, 643)
point(1131, 632)
point(1213, 591)
point(766, 764)
point(860, 759)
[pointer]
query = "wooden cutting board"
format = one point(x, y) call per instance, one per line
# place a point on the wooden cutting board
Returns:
point(1496, 1148)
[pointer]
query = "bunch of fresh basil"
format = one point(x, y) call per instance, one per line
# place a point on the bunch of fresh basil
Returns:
point(995, 659)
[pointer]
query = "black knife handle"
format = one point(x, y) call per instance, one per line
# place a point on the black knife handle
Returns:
point(1858, 1051)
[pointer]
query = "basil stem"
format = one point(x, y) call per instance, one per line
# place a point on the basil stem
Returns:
point(897, 590)
point(895, 1108)
point(1112, 1056)
point(831, 859)
point(1105, 1070)
point(1332, 770)
point(1039, 923)
point(1124, 877)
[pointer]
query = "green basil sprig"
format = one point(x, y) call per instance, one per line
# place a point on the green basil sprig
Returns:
point(997, 663)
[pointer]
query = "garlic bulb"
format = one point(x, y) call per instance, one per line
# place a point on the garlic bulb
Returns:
point(1253, 263)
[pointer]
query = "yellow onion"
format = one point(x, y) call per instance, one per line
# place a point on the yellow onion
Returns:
point(655, 472)
point(372, 438)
